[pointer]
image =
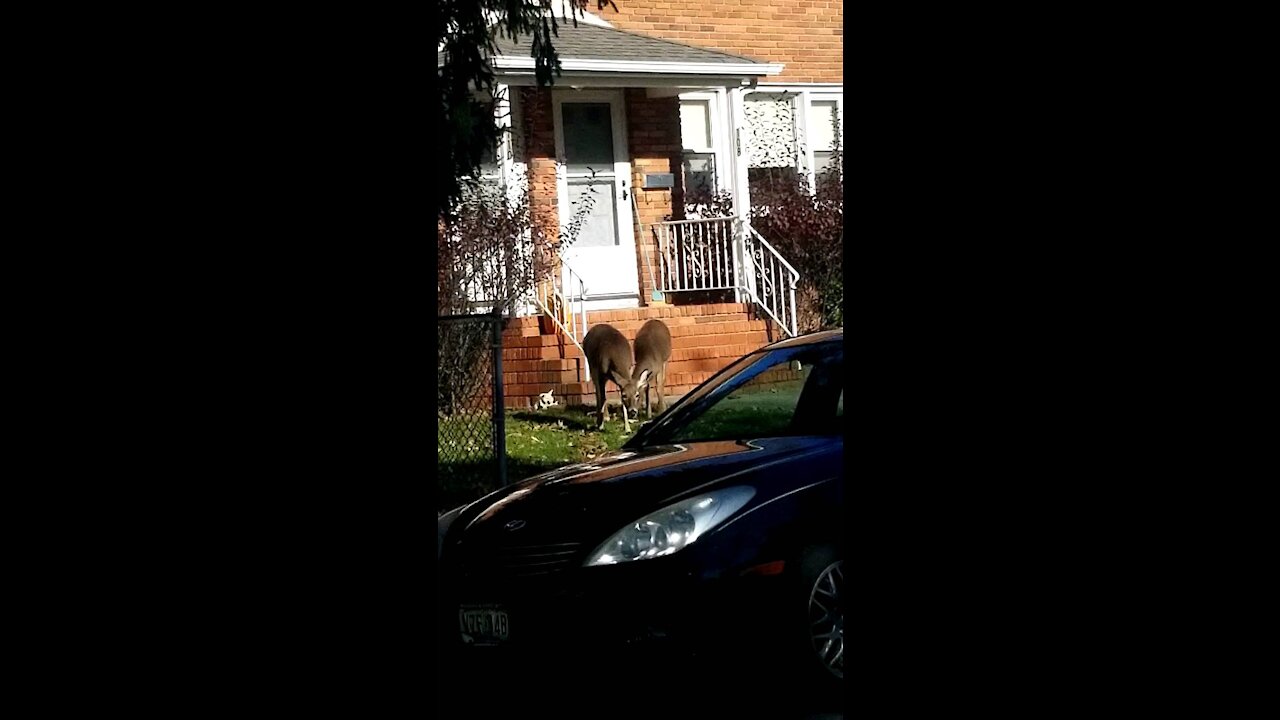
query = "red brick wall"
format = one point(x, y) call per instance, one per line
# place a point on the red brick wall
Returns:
point(653, 140)
point(540, 148)
point(539, 151)
point(806, 35)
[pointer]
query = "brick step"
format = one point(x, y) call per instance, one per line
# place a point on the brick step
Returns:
point(688, 347)
point(522, 332)
point(540, 378)
point(717, 345)
point(522, 321)
point(716, 324)
point(549, 352)
point(664, 311)
point(535, 340)
point(728, 353)
point(633, 325)
point(572, 356)
point(718, 327)
point(538, 365)
point(754, 339)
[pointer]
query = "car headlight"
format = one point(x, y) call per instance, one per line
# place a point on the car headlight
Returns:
point(442, 527)
point(672, 528)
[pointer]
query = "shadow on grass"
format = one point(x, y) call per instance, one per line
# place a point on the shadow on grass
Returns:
point(575, 419)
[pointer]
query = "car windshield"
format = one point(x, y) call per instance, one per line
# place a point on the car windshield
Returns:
point(772, 393)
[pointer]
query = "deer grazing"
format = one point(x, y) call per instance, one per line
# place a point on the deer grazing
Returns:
point(653, 351)
point(609, 358)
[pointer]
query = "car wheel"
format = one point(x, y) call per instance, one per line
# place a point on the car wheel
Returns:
point(818, 607)
point(826, 618)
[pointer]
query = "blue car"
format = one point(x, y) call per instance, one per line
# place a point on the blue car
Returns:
point(717, 528)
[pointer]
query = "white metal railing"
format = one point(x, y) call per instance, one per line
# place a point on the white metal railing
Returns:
point(557, 303)
point(726, 253)
point(698, 254)
point(774, 279)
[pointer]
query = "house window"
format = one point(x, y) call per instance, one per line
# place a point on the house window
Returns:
point(772, 139)
point(698, 139)
point(825, 124)
point(793, 130)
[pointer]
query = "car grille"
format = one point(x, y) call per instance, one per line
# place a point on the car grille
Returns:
point(521, 560)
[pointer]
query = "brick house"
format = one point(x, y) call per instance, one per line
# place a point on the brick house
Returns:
point(657, 98)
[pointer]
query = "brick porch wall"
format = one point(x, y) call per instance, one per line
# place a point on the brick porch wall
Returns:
point(806, 35)
point(653, 139)
point(540, 151)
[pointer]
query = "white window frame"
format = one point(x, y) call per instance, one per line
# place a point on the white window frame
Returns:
point(505, 114)
point(803, 97)
point(718, 120)
point(809, 99)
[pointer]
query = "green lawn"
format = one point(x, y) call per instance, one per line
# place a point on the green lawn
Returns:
point(537, 441)
point(543, 440)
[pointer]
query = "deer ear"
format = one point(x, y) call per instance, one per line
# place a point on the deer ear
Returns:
point(644, 378)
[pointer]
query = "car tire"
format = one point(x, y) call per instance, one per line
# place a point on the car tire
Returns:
point(821, 607)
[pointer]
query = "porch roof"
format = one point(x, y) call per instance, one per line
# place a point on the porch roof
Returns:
point(591, 51)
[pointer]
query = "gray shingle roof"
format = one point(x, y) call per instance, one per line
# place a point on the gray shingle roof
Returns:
point(591, 42)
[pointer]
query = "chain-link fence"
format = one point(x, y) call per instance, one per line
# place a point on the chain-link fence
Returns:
point(471, 437)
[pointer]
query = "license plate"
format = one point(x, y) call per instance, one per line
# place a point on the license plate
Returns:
point(483, 625)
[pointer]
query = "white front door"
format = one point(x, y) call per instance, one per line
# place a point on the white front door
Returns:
point(591, 148)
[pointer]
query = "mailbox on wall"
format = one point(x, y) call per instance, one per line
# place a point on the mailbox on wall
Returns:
point(659, 181)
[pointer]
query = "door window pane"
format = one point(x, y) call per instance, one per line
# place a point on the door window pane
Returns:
point(600, 226)
point(588, 137)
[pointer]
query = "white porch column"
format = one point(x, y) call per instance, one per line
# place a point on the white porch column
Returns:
point(739, 153)
point(503, 116)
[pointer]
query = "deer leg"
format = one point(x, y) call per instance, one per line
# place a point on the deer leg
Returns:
point(661, 379)
point(626, 416)
point(601, 402)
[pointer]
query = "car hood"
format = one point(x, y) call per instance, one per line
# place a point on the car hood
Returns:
point(586, 501)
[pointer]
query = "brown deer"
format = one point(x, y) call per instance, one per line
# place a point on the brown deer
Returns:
point(609, 358)
point(653, 352)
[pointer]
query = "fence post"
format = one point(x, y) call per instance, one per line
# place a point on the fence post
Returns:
point(499, 415)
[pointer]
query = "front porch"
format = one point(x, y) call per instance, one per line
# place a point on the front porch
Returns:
point(600, 154)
